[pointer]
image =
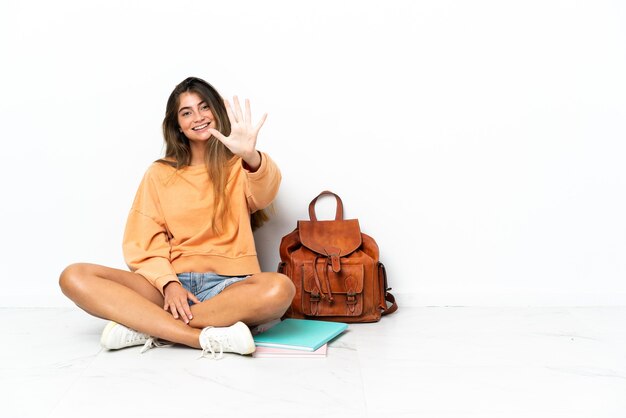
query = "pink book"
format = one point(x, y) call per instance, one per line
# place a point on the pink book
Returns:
point(272, 352)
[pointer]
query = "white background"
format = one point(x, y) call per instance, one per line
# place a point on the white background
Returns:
point(480, 143)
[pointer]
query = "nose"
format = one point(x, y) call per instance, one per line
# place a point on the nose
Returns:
point(199, 117)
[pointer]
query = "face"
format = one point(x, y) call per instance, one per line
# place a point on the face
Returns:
point(195, 117)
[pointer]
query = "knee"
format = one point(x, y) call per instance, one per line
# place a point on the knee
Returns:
point(281, 289)
point(72, 278)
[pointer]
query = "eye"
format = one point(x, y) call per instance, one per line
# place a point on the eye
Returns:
point(186, 113)
point(205, 107)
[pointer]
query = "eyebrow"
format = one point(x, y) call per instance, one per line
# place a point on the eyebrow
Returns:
point(189, 108)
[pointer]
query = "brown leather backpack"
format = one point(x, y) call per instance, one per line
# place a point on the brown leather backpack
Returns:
point(335, 269)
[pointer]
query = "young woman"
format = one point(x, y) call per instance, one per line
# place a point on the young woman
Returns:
point(195, 277)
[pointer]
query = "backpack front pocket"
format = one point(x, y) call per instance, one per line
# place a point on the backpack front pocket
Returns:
point(330, 293)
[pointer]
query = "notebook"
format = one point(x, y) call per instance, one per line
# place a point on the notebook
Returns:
point(272, 352)
point(300, 334)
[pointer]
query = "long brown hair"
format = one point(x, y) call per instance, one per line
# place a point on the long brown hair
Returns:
point(218, 158)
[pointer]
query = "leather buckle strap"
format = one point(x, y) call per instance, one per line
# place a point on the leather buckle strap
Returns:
point(315, 298)
point(327, 279)
point(351, 301)
point(351, 298)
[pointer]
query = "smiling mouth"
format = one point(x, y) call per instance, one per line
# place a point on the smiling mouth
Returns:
point(200, 127)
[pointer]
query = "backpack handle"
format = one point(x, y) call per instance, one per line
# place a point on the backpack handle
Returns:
point(338, 212)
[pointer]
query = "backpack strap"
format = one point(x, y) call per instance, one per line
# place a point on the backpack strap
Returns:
point(338, 212)
point(394, 306)
point(388, 296)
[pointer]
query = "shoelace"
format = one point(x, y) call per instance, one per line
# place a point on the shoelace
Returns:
point(219, 342)
point(153, 342)
point(131, 336)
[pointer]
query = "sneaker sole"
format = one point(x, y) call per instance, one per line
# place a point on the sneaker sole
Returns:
point(105, 334)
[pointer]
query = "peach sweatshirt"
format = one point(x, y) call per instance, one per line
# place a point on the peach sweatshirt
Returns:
point(169, 225)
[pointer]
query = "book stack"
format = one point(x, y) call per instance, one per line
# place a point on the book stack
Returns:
point(297, 338)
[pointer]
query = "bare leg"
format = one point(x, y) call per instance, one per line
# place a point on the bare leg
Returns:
point(258, 299)
point(126, 298)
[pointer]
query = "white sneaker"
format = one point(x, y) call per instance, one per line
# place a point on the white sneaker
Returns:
point(116, 336)
point(234, 339)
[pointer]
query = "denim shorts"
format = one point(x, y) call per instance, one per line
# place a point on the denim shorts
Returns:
point(207, 285)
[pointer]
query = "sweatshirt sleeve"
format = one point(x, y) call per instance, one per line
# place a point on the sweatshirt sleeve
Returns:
point(263, 184)
point(146, 245)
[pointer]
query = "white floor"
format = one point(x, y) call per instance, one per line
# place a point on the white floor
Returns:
point(419, 362)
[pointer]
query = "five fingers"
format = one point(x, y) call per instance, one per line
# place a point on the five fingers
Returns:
point(242, 138)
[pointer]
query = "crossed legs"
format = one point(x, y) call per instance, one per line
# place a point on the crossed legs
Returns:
point(127, 298)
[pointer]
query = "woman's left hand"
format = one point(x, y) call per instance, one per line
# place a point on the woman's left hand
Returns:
point(243, 136)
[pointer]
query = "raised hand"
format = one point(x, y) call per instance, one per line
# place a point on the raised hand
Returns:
point(243, 136)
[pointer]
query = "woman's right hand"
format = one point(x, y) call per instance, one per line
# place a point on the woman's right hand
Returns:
point(177, 301)
point(243, 136)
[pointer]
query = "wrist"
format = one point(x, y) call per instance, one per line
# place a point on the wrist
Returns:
point(252, 161)
point(169, 283)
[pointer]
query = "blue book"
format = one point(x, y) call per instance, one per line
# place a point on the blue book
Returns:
point(300, 334)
